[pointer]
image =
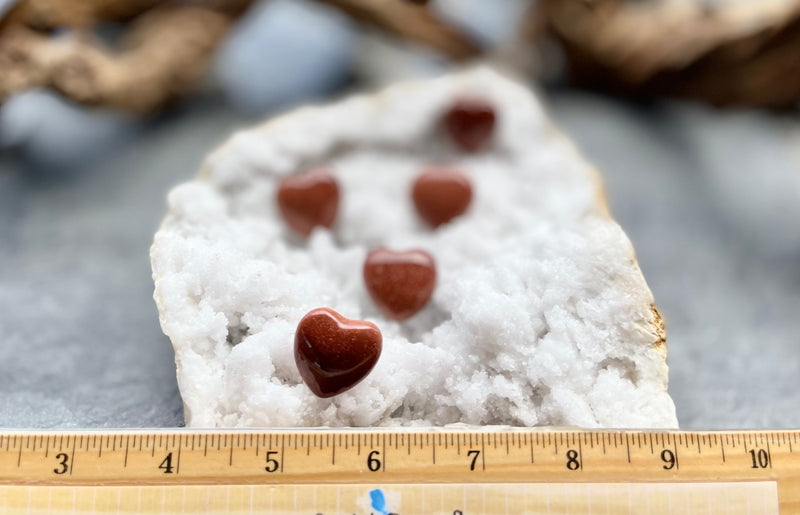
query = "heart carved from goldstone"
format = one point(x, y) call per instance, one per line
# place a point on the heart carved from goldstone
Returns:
point(334, 353)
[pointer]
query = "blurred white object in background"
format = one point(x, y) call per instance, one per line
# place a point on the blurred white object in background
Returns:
point(283, 52)
point(383, 60)
point(492, 23)
point(5, 5)
point(54, 132)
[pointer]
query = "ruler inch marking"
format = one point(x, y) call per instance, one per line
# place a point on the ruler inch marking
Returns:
point(178, 465)
point(769, 455)
point(283, 448)
point(628, 447)
point(72, 457)
point(127, 443)
point(483, 453)
point(722, 448)
point(580, 453)
point(675, 451)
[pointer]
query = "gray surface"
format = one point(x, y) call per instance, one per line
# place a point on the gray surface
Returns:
point(710, 201)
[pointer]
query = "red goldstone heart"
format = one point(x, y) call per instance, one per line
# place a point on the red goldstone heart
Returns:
point(400, 283)
point(441, 194)
point(470, 123)
point(334, 353)
point(309, 200)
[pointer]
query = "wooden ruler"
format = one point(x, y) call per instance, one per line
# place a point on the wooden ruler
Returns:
point(400, 471)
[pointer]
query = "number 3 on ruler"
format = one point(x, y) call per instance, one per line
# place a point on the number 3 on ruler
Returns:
point(63, 460)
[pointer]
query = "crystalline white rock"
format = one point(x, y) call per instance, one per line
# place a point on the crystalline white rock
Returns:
point(540, 314)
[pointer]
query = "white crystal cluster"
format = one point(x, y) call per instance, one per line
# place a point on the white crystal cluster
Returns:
point(540, 315)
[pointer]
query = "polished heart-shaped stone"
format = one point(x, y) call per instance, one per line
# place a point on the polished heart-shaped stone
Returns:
point(309, 200)
point(441, 194)
point(334, 353)
point(400, 283)
point(470, 123)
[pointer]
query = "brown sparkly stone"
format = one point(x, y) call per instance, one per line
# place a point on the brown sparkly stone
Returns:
point(470, 123)
point(309, 200)
point(400, 283)
point(441, 194)
point(333, 353)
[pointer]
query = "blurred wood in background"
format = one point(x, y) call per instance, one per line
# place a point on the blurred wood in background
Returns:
point(736, 53)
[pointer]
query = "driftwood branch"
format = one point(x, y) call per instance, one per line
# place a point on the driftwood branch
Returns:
point(744, 53)
point(162, 54)
point(166, 47)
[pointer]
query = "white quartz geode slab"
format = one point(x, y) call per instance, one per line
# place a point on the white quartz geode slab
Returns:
point(540, 315)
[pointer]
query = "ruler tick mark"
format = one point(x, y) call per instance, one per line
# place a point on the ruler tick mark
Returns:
point(283, 450)
point(483, 453)
point(178, 466)
point(125, 462)
point(769, 455)
point(628, 447)
point(72, 461)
